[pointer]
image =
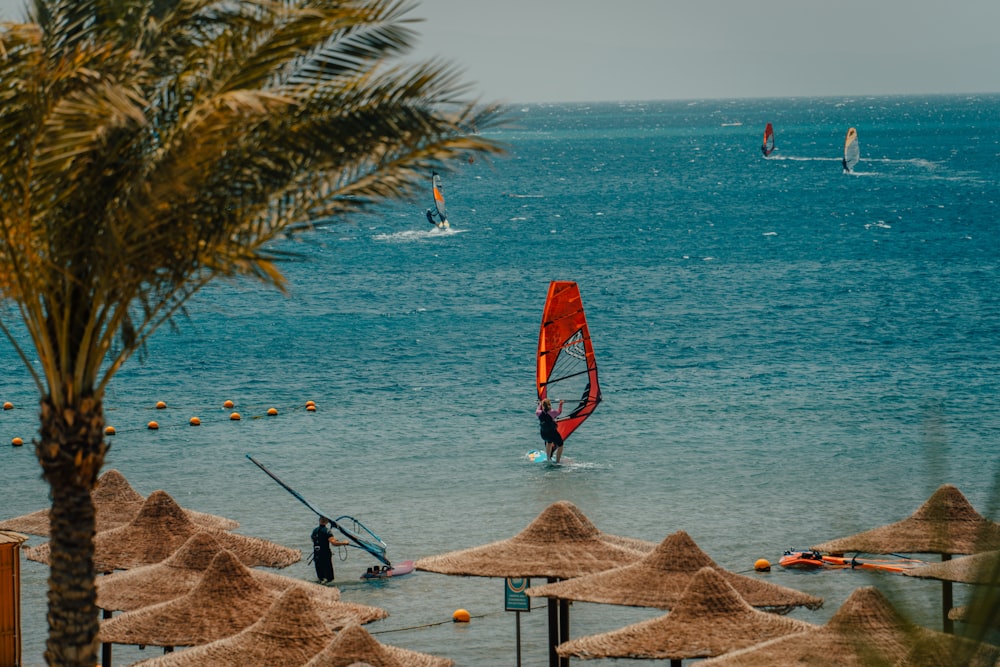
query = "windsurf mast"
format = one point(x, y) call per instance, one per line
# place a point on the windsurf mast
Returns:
point(852, 152)
point(767, 147)
point(565, 360)
point(358, 534)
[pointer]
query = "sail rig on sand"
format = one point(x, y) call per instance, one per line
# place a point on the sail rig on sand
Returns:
point(565, 361)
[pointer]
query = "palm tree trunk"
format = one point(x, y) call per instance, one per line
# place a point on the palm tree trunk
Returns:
point(71, 451)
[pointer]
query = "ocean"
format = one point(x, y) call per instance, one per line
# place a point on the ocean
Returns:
point(788, 354)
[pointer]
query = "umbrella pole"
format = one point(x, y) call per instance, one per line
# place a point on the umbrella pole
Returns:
point(563, 628)
point(106, 648)
point(553, 628)
point(946, 600)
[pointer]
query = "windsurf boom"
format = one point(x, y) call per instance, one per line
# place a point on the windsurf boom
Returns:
point(852, 152)
point(565, 361)
point(767, 147)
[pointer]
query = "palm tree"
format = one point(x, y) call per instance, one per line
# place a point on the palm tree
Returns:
point(148, 147)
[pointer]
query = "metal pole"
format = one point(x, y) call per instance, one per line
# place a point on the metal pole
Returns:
point(517, 632)
point(106, 648)
point(947, 601)
point(553, 628)
point(563, 628)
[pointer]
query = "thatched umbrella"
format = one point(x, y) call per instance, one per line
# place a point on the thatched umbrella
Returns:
point(289, 633)
point(982, 569)
point(709, 619)
point(558, 544)
point(865, 631)
point(945, 524)
point(160, 528)
point(143, 586)
point(226, 600)
point(660, 578)
point(354, 645)
point(115, 504)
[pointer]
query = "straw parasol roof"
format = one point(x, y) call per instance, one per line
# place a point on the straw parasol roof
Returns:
point(353, 645)
point(226, 600)
point(660, 579)
point(556, 544)
point(160, 528)
point(559, 544)
point(945, 524)
point(289, 633)
point(127, 590)
point(115, 504)
point(618, 540)
point(982, 568)
point(709, 619)
point(865, 631)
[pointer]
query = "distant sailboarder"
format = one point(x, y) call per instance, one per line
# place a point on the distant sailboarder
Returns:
point(851, 151)
point(767, 147)
point(438, 211)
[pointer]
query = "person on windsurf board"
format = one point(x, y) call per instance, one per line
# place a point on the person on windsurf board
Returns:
point(547, 416)
point(438, 211)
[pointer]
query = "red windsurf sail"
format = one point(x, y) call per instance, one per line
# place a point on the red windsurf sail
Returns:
point(566, 367)
point(767, 147)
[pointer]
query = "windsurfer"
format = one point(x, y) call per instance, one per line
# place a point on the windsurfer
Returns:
point(322, 536)
point(430, 217)
point(548, 429)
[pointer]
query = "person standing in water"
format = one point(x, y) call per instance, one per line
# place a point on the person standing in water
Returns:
point(322, 537)
point(548, 430)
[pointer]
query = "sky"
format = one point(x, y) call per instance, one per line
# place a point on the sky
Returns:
point(530, 51)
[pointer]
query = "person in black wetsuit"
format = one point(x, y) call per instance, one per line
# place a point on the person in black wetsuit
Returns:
point(322, 536)
point(548, 429)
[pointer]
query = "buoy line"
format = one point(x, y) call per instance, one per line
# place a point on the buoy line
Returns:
point(271, 411)
point(447, 622)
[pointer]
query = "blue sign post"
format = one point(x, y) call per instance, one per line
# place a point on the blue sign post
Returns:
point(516, 600)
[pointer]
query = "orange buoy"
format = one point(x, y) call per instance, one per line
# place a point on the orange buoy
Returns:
point(152, 426)
point(194, 421)
point(109, 430)
point(312, 403)
point(235, 416)
point(16, 442)
point(7, 405)
point(461, 616)
point(272, 411)
point(311, 408)
point(228, 404)
point(160, 405)
point(762, 565)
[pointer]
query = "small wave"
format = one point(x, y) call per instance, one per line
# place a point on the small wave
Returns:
point(412, 235)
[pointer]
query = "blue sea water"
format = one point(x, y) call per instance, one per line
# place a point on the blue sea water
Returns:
point(788, 354)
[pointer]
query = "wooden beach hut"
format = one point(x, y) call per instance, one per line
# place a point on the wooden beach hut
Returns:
point(10, 597)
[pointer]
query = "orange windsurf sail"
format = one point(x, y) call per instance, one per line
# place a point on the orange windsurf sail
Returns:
point(566, 367)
